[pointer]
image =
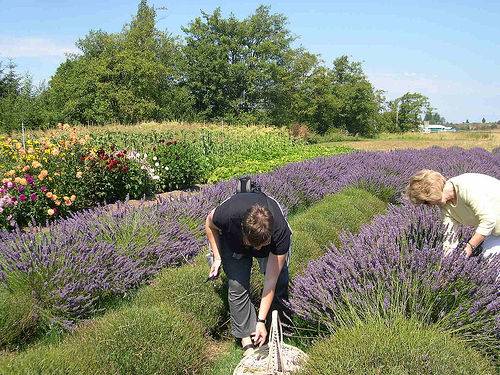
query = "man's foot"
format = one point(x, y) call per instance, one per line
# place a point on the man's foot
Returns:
point(247, 345)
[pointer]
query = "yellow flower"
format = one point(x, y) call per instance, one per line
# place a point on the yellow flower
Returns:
point(50, 211)
point(78, 174)
point(36, 164)
point(4, 180)
point(17, 180)
point(23, 181)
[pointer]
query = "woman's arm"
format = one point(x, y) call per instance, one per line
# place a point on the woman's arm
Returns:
point(450, 234)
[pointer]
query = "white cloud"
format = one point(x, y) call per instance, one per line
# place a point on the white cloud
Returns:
point(15, 47)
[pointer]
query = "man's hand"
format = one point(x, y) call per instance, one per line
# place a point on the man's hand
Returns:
point(260, 334)
point(214, 270)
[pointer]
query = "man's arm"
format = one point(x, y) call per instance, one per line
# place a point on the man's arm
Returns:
point(213, 232)
point(275, 264)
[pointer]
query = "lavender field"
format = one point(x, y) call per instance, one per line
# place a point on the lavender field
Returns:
point(70, 270)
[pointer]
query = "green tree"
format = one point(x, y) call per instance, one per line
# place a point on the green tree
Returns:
point(125, 77)
point(341, 97)
point(19, 100)
point(410, 110)
point(434, 117)
point(244, 70)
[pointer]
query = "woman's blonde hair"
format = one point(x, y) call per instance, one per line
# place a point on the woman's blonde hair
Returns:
point(426, 186)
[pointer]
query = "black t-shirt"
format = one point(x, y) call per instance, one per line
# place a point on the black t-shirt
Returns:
point(229, 216)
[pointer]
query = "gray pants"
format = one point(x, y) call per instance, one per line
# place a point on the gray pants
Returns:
point(243, 314)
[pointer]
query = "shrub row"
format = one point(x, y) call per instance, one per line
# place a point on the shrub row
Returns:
point(394, 348)
point(182, 289)
point(132, 340)
point(395, 266)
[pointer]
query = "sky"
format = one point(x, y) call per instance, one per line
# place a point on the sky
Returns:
point(446, 50)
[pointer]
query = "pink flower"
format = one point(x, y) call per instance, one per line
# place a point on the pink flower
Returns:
point(22, 198)
point(10, 185)
point(44, 189)
point(33, 197)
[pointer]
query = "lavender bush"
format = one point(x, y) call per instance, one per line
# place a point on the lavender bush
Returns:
point(394, 266)
point(73, 265)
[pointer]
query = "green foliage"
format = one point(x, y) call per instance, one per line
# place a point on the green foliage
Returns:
point(19, 100)
point(179, 164)
point(341, 97)
point(407, 112)
point(18, 313)
point(321, 224)
point(243, 70)
point(258, 163)
point(240, 71)
point(125, 77)
point(434, 117)
point(402, 347)
point(185, 288)
point(132, 340)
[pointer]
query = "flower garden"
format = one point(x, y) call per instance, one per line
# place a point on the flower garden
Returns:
point(122, 290)
point(69, 169)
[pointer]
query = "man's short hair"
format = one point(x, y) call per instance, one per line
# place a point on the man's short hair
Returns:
point(257, 225)
point(426, 186)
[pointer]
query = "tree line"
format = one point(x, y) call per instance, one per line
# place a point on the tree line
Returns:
point(240, 71)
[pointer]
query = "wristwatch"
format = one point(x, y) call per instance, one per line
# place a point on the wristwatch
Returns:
point(261, 320)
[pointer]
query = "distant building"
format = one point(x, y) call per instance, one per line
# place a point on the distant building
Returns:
point(434, 128)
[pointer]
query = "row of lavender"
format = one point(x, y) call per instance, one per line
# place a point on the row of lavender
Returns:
point(394, 267)
point(72, 266)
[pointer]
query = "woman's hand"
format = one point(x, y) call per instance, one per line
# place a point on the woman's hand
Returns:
point(214, 270)
point(260, 334)
point(468, 250)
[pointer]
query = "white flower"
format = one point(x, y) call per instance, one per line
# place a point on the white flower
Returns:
point(145, 155)
point(156, 177)
point(166, 167)
point(155, 158)
point(157, 164)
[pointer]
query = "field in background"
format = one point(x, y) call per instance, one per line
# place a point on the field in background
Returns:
point(469, 139)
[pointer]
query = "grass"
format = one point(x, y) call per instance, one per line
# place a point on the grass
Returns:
point(402, 347)
point(466, 139)
point(321, 225)
point(131, 340)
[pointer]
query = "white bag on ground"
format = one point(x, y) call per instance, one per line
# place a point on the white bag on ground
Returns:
point(275, 358)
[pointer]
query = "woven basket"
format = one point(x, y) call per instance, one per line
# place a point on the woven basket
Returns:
point(275, 358)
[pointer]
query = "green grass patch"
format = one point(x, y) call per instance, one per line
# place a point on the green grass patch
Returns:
point(321, 224)
point(185, 288)
point(133, 340)
point(402, 347)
